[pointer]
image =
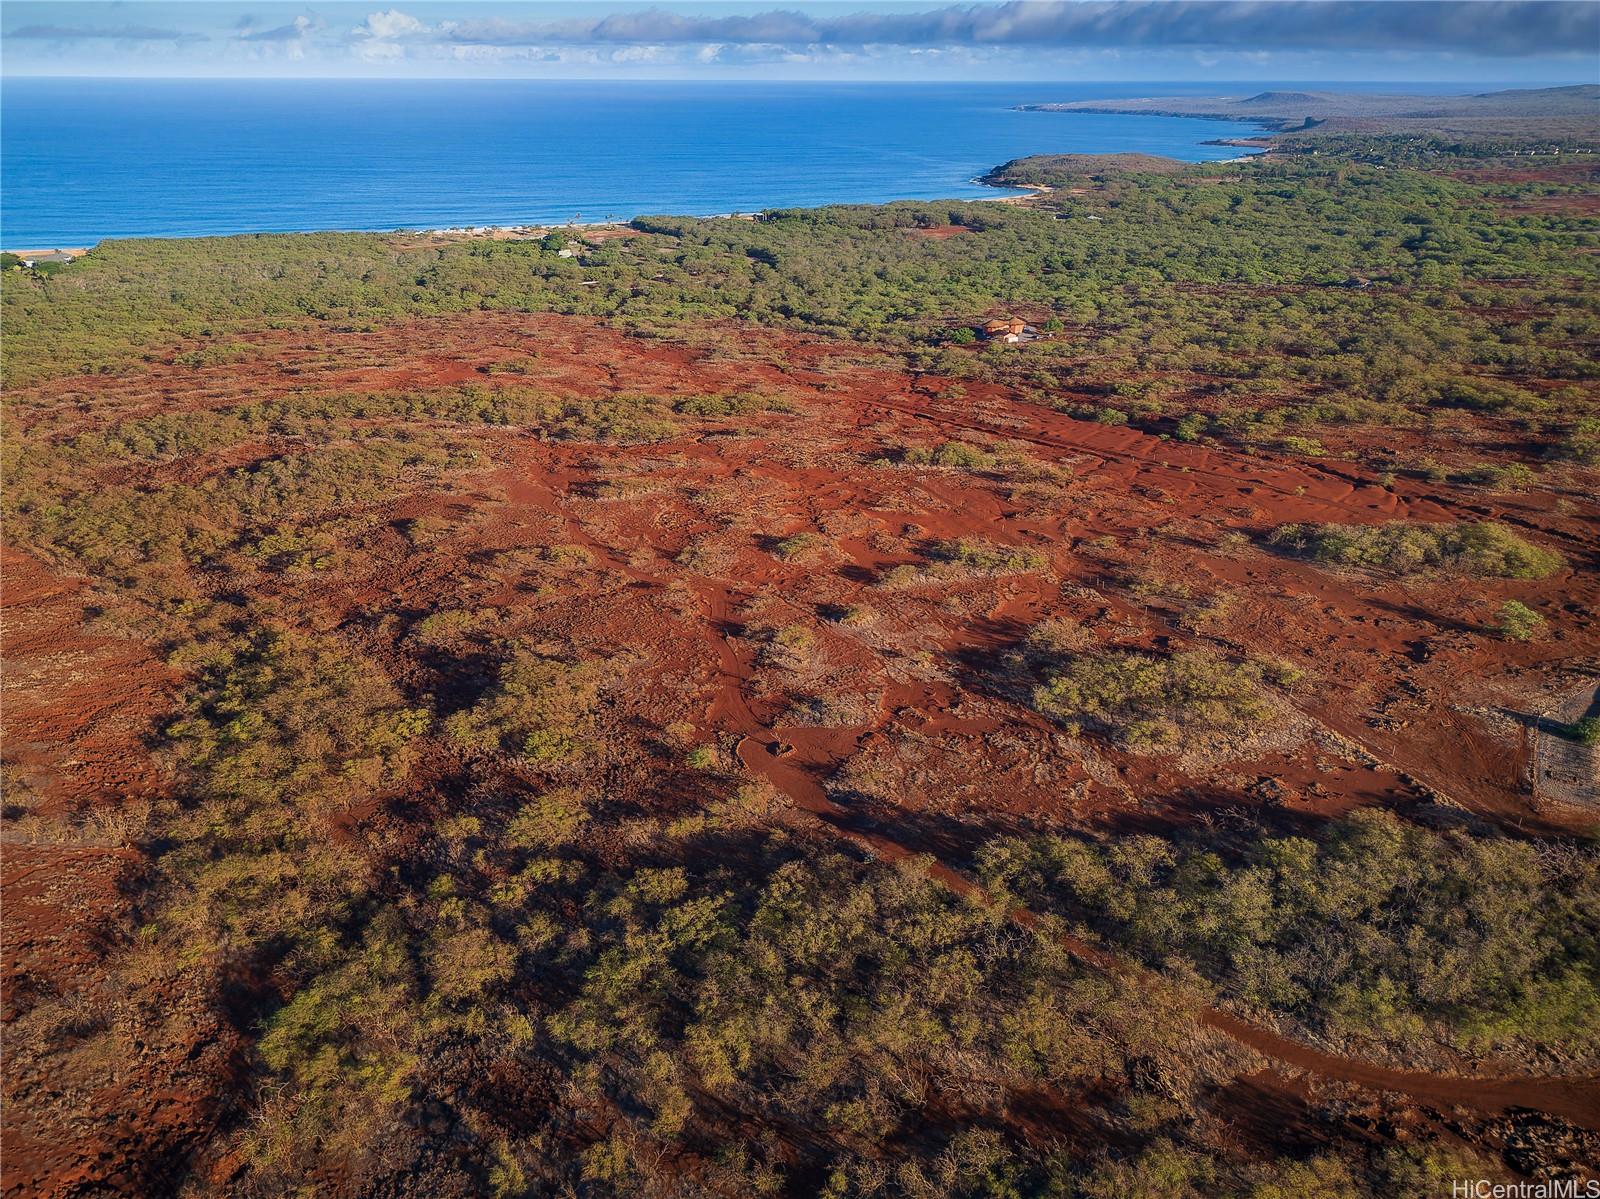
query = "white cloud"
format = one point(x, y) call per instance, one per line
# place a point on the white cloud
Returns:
point(386, 26)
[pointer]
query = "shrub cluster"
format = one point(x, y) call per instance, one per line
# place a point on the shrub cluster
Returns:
point(1375, 927)
point(1147, 700)
point(1485, 549)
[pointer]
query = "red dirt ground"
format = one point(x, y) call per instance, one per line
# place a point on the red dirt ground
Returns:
point(77, 704)
point(900, 718)
point(78, 707)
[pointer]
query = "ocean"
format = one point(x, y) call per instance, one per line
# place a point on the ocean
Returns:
point(90, 159)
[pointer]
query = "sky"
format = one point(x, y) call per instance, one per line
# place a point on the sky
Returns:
point(1477, 43)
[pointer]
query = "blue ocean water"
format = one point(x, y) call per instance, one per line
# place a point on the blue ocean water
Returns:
point(90, 159)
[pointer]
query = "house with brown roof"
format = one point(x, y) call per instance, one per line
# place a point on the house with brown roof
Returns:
point(1010, 329)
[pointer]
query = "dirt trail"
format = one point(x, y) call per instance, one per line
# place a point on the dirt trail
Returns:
point(786, 758)
point(1573, 1099)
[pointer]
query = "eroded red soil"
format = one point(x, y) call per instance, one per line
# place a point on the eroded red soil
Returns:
point(78, 703)
point(139, 1085)
point(894, 707)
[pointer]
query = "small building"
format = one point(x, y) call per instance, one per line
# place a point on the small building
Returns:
point(1004, 329)
point(1009, 330)
point(58, 257)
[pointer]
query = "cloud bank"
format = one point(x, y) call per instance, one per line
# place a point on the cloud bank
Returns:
point(1499, 28)
point(295, 31)
point(119, 33)
point(1469, 40)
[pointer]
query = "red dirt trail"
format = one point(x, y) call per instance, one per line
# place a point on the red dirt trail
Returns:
point(1573, 1099)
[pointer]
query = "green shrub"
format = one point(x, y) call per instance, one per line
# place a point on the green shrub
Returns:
point(1581, 442)
point(539, 706)
point(1375, 927)
point(703, 757)
point(1489, 395)
point(985, 557)
point(1485, 549)
point(796, 545)
point(1500, 476)
point(1145, 699)
point(791, 644)
point(552, 820)
point(959, 455)
point(1517, 622)
point(821, 981)
point(1308, 446)
point(734, 404)
point(277, 715)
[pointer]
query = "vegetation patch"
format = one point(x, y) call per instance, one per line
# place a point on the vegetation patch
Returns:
point(539, 706)
point(967, 556)
point(1373, 927)
point(796, 546)
point(1515, 621)
point(277, 714)
point(959, 455)
point(1145, 701)
point(741, 403)
point(986, 557)
point(817, 992)
point(1484, 549)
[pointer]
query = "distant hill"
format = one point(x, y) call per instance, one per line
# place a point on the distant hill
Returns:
point(1552, 111)
point(1280, 98)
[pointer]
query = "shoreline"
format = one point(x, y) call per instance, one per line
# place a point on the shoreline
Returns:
point(1019, 193)
point(40, 251)
point(522, 231)
point(1274, 114)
